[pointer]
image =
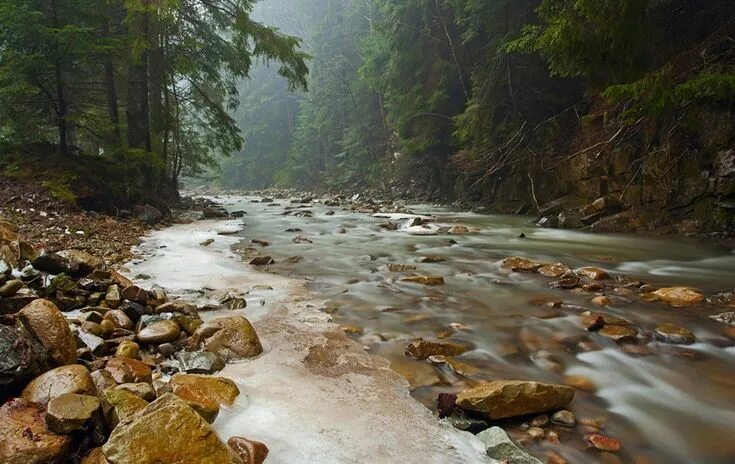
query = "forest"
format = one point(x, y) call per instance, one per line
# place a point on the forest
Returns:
point(505, 104)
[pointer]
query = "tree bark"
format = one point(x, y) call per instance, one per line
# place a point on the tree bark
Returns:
point(113, 110)
point(62, 106)
point(138, 109)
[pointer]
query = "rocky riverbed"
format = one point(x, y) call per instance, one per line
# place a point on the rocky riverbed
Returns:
point(251, 333)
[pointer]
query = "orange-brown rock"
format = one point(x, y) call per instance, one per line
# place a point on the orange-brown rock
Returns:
point(230, 337)
point(679, 296)
point(44, 319)
point(422, 349)
point(74, 378)
point(251, 452)
point(220, 389)
point(127, 370)
point(594, 273)
point(25, 438)
point(520, 264)
point(511, 398)
point(167, 431)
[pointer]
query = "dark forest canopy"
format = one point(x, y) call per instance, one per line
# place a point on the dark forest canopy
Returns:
point(454, 95)
point(147, 82)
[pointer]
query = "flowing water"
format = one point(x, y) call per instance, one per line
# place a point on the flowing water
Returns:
point(666, 403)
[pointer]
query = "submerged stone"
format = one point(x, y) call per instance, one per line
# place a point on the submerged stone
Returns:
point(499, 446)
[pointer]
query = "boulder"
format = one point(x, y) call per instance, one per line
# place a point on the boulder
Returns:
point(135, 293)
point(127, 349)
point(142, 390)
point(147, 213)
point(198, 400)
point(81, 262)
point(511, 398)
point(499, 446)
point(229, 337)
point(679, 296)
point(127, 370)
point(220, 389)
point(593, 273)
point(103, 380)
point(46, 322)
point(70, 411)
point(25, 438)
point(22, 358)
point(65, 379)
point(159, 332)
point(113, 297)
point(120, 405)
point(200, 362)
point(520, 264)
point(53, 263)
point(422, 349)
point(119, 318)
point(251, 452)
point(671, 333)
point(10, 288)
point(167, 431)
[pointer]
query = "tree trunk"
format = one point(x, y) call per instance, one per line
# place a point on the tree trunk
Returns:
point(111, 92)
point(62, 106)
point(138, 110)
point(156, 85)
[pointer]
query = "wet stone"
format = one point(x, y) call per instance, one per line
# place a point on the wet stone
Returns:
point(424, 280)
point(200, 362)
point(621, 334)
point(26, 438)
point(511, 398)
point(69, 412)
point(165, 331)
point(679, 296)
point(251, 452)
point(671, 333)
point(593, 273)
point(65, 379)
point(564, 418)
point(423, 349)
point(603, 443)
point(499, 446)
point(520, 264)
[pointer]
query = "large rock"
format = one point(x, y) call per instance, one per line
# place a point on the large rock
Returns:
point(128, 370)
point(46, 322)
point(81, 262)
point(167, 431)
point(25, 438)
point(54, 263)
point(10, 287)
point(56, 382)
point(220, 389)
point(510, 398)
point(199, 401)
point(251, 452)
point(422, 349)
point(119, 405)
point(70, 411)
point(679, 296)
point(200, 362)
point(22, 358)
point(159, 332)
point(147, 213)
point(499, 446)
point(230, 337)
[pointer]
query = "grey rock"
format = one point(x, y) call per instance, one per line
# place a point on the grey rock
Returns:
point(200, 362)
point(22, 358)
point(10, 288)
point(499, 446)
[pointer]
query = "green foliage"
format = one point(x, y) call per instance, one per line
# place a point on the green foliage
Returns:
point(603, 40)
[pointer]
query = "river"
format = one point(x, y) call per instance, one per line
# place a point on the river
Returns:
point(666, 403)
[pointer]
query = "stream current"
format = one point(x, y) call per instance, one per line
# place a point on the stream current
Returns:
point(666, 403)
